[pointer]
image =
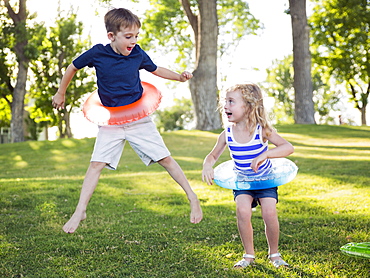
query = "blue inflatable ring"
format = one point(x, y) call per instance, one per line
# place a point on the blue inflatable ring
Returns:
point(282, 171)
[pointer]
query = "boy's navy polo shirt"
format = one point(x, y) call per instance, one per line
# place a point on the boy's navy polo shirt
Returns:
point(118, 76)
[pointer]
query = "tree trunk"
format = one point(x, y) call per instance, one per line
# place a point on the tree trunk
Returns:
point(365, 101)
point(19, 20)
point(361, 101)
point(203, 85)
point(304, 106)
point(64, 125)
point(17, 121)
point(67, 120)
point(363, 116)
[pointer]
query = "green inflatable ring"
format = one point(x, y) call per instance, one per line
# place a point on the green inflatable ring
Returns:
point(357, 249)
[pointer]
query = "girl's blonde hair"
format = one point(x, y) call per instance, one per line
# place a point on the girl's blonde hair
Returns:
point(116, 19)
point(253, 99)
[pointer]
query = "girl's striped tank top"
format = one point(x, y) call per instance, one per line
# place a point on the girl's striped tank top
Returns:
point(243, 154)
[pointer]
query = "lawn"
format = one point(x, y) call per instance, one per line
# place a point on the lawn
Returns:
point(138, 218)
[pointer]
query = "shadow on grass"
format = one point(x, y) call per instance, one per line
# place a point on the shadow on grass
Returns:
point(45, 158)
point(147, 233)
point(326, 131)
point(325, 148)
point(138, 225)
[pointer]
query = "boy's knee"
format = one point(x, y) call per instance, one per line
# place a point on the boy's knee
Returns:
point(165, 161)
point(98, 166)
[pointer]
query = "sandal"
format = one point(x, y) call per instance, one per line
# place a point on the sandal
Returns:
point(277, 263)
point(244, 263)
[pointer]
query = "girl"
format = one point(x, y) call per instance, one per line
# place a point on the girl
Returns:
point(247, 138)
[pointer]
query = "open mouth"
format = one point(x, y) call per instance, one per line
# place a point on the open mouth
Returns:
point(129, 48)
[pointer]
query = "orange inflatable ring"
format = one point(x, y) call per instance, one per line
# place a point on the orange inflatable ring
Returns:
point(101, 115)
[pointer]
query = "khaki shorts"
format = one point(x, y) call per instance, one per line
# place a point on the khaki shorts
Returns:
point(142, 135)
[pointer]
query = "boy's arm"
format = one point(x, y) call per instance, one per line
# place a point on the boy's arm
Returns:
point(59, 98)
point(169, 74)
point(212, 157)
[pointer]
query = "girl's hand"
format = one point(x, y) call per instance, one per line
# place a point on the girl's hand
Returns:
point(58, 101)
point(256, 163)
point(185, 76)
point(208, 175)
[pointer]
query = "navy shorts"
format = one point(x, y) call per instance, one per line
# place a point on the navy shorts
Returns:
point(258, 194)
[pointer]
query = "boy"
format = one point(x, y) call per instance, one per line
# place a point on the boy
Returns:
point(117, 67)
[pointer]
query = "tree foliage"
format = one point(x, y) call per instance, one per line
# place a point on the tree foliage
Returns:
point(63, 43)
point(20, 39)
point(167, 25)
point(6, 87)
point(340, 33)
point(279, 85)
point(5, 113)
point(194, 30)
point(176, 117)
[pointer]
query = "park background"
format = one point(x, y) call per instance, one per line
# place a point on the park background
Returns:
point(258, 52)
point(138, 219)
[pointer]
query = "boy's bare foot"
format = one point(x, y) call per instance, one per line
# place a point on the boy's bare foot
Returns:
point(72, 224)
point(196, 213)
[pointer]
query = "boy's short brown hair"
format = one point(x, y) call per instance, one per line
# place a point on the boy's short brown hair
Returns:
point(116, 19)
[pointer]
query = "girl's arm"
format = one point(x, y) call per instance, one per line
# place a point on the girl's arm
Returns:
point(169, 74)
point(283, 148)
point(59, 98)
point(212, 157)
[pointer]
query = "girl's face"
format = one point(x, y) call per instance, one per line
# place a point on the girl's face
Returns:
point(125, 40)
point(235, 108)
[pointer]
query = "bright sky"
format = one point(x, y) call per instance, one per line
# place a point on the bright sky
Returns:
point(274, 42)
point(254, 52)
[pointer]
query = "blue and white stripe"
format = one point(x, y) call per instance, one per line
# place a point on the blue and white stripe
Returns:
point(243, 154)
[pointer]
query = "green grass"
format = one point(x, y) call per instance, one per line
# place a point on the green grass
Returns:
point(138, 219)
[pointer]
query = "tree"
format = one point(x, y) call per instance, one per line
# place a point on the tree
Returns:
point(6, 87)
point(304, 106)
point(5, 82)
point(175, 117)
point(279, 84)
point(22, 41)
point(63, 43)
point(167, 24)
point(4, 113)
point(340, 32)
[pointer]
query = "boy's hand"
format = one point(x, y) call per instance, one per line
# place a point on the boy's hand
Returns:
point(185, 76)
point(58, 101)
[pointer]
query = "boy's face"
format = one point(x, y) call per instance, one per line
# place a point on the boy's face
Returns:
point(125, 40)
